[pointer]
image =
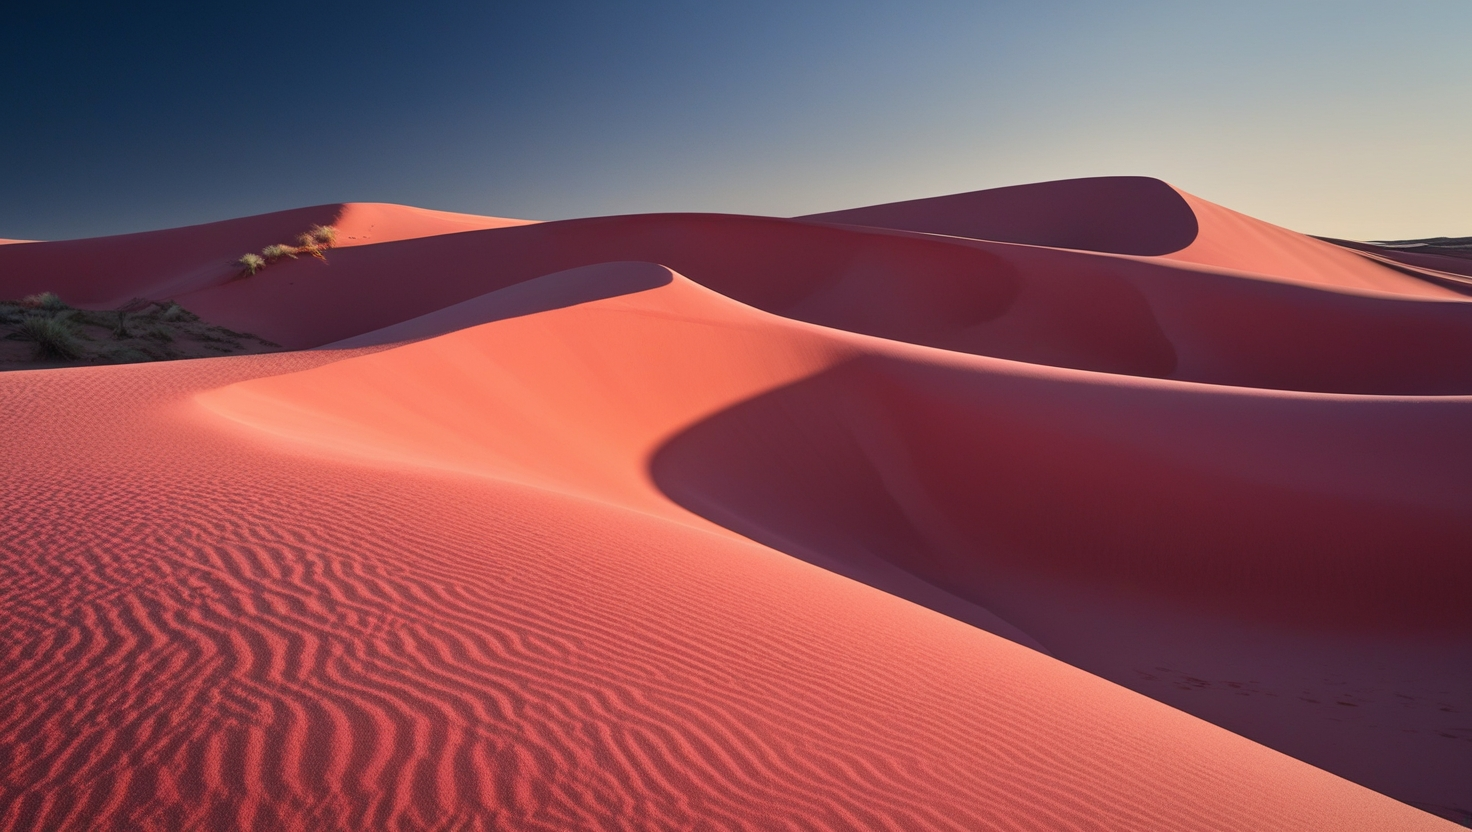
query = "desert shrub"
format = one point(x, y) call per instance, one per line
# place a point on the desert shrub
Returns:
point(318, 239)
point(278, 251)
point(159, 333)
point(45, 300)
point(251, 263)
point(54, 337)
point(121, 329)
point(322, 235)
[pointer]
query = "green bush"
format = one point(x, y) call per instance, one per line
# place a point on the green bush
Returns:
point(54, 337)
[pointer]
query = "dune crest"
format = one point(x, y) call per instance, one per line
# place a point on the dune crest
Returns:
point(1114, 214)
point(104, 272)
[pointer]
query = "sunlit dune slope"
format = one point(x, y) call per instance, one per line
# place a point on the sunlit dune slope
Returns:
point(1086, 504)
point(405, 647)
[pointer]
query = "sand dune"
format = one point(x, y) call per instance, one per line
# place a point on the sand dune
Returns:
point(109, 271)
point(681, 521)
point(1150, 317)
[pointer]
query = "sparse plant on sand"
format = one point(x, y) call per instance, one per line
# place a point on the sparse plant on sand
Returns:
point(45, 300)
point(318, 239)
point(324, 236)
point(314, 250)
point(251, 263)
point(54, 337)
point(277, 251)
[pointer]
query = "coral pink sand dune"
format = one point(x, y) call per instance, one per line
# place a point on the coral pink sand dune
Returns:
point(109, 271)
point(947, 518)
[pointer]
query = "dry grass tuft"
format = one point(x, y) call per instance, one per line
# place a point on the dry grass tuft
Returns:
point(318, 239)
point(321, 235)
point(275, 252)
point(251, 263)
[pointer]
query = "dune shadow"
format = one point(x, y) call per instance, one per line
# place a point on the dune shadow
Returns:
point(924, 478)
point(558, 290)
point(1114, 214)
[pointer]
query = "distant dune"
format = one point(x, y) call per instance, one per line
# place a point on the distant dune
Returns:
point(1085, 504)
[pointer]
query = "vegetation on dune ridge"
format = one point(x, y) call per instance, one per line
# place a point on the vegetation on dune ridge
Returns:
point(251, 263)
point(141, 330)
point(314, 242)
point(320, 235)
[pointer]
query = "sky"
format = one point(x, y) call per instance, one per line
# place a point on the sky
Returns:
point(1343, 118)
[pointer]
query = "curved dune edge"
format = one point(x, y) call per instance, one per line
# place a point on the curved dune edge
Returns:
point(785, 474)
point(1112, 214)
point(1136, 215)
point(1236, 241)
point(1149, 317)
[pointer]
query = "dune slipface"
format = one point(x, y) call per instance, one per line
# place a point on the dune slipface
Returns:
point(1080, 505)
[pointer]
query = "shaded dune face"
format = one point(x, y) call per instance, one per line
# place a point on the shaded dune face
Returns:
point(704, 521)
point(1115, 214)
point(1240, 504)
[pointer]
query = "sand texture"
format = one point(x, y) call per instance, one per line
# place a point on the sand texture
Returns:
point(1079, 505)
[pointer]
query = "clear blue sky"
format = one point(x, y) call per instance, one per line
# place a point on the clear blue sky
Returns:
point(1345, 118)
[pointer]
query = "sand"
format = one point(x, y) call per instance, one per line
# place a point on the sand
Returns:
point(915, 516)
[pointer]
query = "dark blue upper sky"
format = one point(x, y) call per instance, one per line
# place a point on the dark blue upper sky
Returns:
point(1341, 117)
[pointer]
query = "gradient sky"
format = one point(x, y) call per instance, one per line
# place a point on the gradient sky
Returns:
point(1342, 118)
